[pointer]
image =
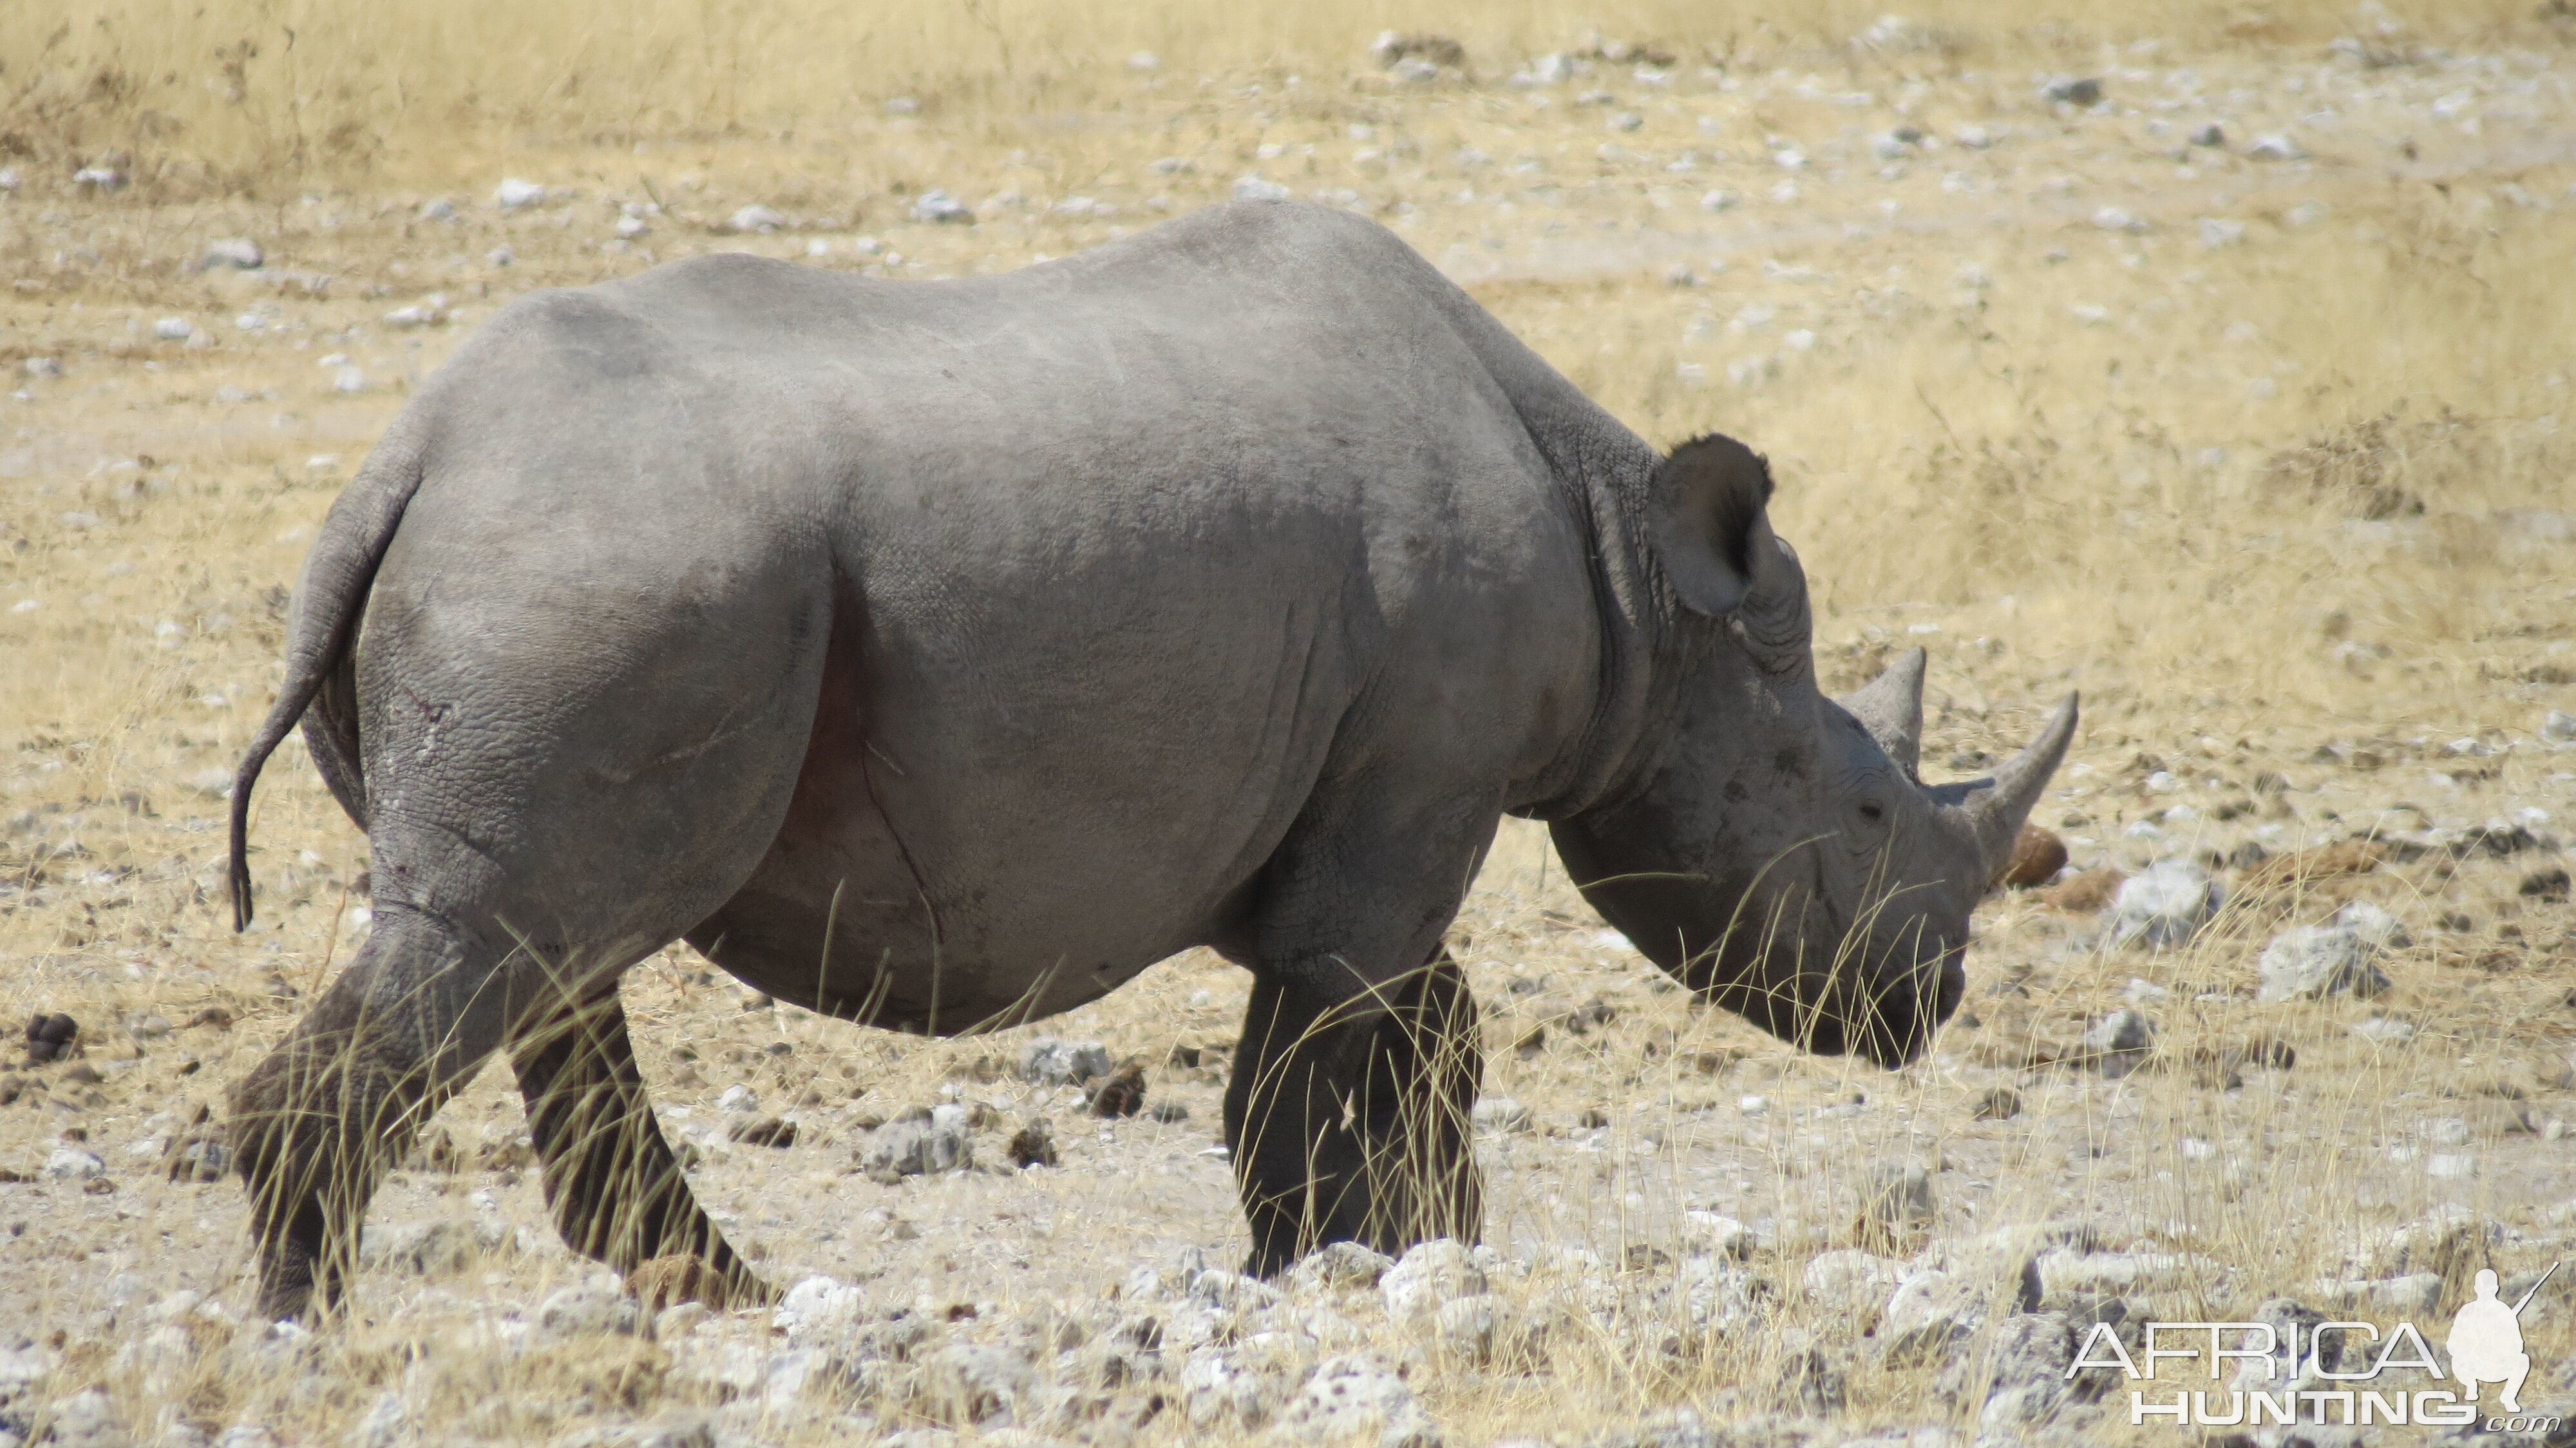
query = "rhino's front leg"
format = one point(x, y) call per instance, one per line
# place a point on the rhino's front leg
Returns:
point(1349, 1119)
point(1348, 1109)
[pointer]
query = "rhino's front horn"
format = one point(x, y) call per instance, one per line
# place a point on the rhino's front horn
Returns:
point(1995, 812)
point(1890, 707)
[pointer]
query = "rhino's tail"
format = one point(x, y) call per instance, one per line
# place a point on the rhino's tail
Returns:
point(329, 601)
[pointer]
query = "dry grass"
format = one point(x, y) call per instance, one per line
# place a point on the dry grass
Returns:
point(262, 96)
point(2252, 499)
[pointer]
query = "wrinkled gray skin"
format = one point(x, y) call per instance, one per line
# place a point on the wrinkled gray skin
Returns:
point(942, 654)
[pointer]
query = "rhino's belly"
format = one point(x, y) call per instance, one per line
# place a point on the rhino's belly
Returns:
point(845, 928)
point(943, 893)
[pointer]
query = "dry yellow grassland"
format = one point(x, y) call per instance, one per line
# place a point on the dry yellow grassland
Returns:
point(2261, 446)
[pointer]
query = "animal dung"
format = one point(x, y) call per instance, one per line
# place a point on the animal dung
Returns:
point(1123, 1094)
point(1032, 1146)
point(2038, 854)
point(50, 1037)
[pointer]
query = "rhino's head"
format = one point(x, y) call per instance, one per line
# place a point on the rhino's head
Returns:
point(1773, 848)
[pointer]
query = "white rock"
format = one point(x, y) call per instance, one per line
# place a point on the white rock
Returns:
point(71, 1164)
point(348, 380)
point(755, 217)
point(2066, 1270)
point(87, 1419)
point(2374, 925)
point(2164, 906)
point(43, 367)
point(2118, 1042)
point(2216, 232)
point(1720, 1235)
point(439, 1245)
point(939, 208)
point(437, 208)
point(1253, 186)
point(1849, 1283)
point(1427, 1275)
point(1929, 1313)
point(514, 193)
point(238, 252)
point(1048, 1061)
point(2413, 1296)
point(818, 1305)
point(592, 1309)
point(1232, 1291)
point(916, 1144)
point(1336, 1266)
point(977, 1383)
point(2142, 992)
point(2275, 148)
point(173, 329)
point(1471, 1328)
point(2385, 1031)
point(386, 1424)
point(500, 255)
point(2558, 727)
point(22, 1365)
point(1357, 1395)
point(631, 227)
point(680, 1319)
point(1218, 1392)
point(2112, 218)
point(2320, 960)
point(1898, 1195)
point(1499, 1115)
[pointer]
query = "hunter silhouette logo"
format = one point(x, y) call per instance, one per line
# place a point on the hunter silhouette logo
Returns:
point(2331, 1372)
point(2486, 1341)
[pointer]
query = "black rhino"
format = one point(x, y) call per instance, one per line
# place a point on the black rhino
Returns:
point(932, 654)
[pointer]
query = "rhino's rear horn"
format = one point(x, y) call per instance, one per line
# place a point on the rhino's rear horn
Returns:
point(1890, 707)
point(1995, 813)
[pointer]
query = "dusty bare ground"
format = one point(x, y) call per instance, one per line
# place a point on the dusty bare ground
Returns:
point(2255, 441)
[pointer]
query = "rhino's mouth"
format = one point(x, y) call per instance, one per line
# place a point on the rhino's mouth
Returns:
point(1788, 962)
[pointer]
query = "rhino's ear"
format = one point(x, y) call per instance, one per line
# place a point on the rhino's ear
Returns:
point(1708, 504)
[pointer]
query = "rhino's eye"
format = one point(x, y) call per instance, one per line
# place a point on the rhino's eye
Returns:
point(1873, 812)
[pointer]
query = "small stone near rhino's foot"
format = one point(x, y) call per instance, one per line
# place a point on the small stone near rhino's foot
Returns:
point(678, 1278)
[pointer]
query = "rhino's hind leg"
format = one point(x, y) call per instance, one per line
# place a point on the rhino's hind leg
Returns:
point(1349, 1122)
point(315, 1123)
point(616, 1190)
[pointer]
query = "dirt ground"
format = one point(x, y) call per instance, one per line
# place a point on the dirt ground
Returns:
point(2254, 437)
